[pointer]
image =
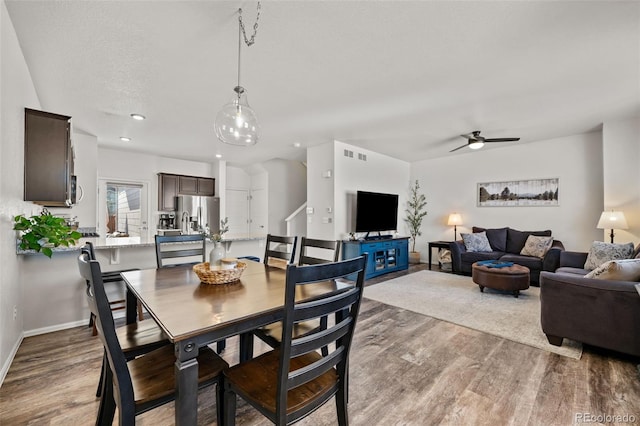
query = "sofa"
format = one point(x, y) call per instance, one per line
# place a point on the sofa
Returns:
point(506, 245)
point(598, 312)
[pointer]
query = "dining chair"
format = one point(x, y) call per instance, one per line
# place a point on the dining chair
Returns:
point(135, 339)
point(148, 381)
point(289, 383)
point(165, 241)
point(111, 277)
point(280, 251)
point(329, 250)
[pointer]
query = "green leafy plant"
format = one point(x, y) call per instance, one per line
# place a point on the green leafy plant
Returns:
point(415, 212)
point(43, 232)
point(224, 228)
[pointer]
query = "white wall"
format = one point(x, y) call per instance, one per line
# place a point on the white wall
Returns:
point(320, 191)
point(287, 190)
point(450, 185)
point(379, 173)
point(621, 173)
point(16, 93)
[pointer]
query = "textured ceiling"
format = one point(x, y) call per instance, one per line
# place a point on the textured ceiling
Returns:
point(397, 77)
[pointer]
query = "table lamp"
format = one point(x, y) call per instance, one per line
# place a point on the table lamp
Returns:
point(455, 219)
point(612, 220)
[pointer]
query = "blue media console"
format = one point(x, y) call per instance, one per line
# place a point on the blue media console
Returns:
point(386, 255)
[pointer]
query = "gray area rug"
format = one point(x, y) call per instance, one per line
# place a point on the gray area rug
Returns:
point(458, 300)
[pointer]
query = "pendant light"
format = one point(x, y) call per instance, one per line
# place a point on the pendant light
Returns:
point(236, 123)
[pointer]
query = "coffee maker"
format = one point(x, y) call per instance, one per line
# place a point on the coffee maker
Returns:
point(167, 221)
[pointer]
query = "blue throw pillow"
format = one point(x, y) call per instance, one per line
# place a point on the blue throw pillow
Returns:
point(476, 242)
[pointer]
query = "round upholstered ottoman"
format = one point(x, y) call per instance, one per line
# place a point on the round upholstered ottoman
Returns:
point(509, 278)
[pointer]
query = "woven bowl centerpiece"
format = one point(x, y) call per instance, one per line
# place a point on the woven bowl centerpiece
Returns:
point(218, 276)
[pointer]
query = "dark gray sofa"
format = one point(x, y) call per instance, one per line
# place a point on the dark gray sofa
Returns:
point(603, 313)
point(506, 244)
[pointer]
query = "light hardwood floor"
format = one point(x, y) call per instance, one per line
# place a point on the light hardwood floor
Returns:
point(406, 369)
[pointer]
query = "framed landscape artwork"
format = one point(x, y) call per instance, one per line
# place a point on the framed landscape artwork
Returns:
point(519, 193)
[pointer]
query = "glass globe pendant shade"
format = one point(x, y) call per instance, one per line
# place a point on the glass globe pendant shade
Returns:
point(236, 123)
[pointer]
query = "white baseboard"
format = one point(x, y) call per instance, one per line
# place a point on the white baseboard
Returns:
point(12, 355)
point(53, 328)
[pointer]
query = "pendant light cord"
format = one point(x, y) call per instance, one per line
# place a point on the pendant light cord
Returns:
point(239, 49)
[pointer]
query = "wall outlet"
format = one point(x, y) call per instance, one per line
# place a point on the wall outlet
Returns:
point(15, 312)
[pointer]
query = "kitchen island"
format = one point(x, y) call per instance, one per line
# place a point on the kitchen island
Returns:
point(53, 291)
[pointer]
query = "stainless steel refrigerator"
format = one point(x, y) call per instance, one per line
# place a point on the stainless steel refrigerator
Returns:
point(194, 213)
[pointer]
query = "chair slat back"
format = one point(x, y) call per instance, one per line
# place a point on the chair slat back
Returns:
point(99, 306)
point(328, 249)
point(343, 304)
point(162, 241)
point(280, 247)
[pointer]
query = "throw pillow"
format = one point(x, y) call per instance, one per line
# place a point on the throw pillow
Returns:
point(497, 237)
point(477, 242)
point(536, 246)
point(618, 270)
point(602, 252)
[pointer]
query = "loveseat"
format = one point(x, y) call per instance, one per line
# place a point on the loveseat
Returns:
point(598, 312)
point(506, 245)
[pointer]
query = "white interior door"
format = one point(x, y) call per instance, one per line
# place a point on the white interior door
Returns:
point(238, 211)
point(259, 212)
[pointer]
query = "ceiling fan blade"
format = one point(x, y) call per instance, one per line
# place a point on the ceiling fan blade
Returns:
point(460, 147)
point(470, 137)
point(502, 140)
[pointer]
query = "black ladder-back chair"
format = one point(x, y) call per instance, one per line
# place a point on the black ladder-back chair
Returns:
point(283, 250)
point(163, 241)
point(271, 334)
point(111, 277)
point(289, 383)
point(329, 247)
point(146, 382)
point(135, 339)
point(272, 246)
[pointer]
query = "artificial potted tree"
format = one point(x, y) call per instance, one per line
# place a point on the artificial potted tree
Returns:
point(44, 232)
point(415, 213)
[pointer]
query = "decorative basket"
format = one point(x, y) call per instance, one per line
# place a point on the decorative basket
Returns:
point(218, 276)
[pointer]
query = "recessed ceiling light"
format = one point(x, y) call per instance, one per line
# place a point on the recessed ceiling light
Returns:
point(296, 145)
point(139, 117)
point(218, 155)
point(125, 139)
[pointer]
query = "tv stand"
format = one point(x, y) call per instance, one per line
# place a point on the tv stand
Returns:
point(384, 254)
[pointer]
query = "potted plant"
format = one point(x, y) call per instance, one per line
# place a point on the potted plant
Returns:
point(218, 252)
point(44, 232)
point(415, 213)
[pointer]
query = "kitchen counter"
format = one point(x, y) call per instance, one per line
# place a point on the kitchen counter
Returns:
point(102, 243)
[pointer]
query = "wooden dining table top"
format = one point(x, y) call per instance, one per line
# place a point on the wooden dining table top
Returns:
point(185, 308)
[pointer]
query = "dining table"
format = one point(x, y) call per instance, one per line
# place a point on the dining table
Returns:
point(194, 314)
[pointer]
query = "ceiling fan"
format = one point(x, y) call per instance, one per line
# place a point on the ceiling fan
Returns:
point(475, 141)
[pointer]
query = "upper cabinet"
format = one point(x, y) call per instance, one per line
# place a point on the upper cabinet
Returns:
point(48, 159)
point(170, 185)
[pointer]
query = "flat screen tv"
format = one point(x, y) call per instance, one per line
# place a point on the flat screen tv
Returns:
point(376, 211)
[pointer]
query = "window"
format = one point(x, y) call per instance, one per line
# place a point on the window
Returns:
point(123, 211)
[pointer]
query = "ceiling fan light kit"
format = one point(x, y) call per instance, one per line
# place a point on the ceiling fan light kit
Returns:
point(475, 141)
point(237, 123)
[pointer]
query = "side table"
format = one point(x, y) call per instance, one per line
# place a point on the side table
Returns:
point(439, 245)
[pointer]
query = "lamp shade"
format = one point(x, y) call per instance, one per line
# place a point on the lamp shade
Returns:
point(612, 220)
point(455, 219)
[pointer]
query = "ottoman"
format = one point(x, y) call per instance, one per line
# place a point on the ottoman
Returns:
point(509, 278)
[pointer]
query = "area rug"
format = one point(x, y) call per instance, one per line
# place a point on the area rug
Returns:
point(458, 300)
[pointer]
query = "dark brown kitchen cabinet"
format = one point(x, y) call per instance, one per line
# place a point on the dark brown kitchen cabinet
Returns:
point(167, 191)
point(169, 186)
point(48, 159)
